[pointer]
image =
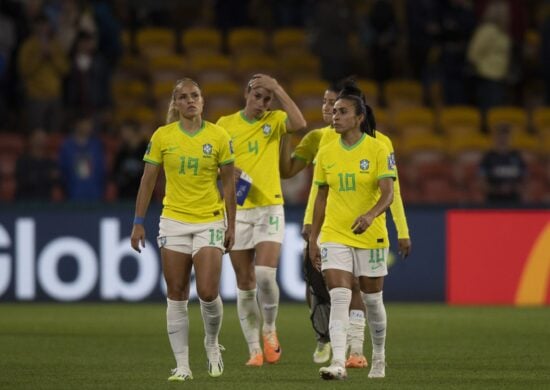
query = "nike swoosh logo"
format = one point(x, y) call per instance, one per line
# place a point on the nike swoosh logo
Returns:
point(330, 166)
point(172, 148)
point(379, 331)
point(378, 266)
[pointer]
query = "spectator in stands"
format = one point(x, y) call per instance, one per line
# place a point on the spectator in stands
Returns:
point(502, 170)
point(128, 166)
point(82, 163)
point(36, 174)
point(87, 88)
point(489, 52)
point(42, 65)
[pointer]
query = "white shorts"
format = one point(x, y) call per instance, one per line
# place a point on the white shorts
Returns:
point(259, 224)
point(359, 262)
point(190, 237)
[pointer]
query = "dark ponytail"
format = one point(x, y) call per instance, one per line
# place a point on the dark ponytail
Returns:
point(348, 87)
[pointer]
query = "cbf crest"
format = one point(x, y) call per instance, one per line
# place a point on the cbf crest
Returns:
point(207, 149)
point(266, 129)
point(364, 164)
point(391, 161)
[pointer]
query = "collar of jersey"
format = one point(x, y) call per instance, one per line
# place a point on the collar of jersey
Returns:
point(191, 134)
point(354, 145)
point(248, 120)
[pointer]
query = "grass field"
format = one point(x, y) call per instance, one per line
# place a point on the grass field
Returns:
point(124, 346)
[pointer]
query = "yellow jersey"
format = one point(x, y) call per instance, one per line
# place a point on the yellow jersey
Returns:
point(352, 174)
point(257, 145)
point(191, 162)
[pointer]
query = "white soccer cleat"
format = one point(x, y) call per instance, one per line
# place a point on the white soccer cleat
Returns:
point(378, 368)
point(180, 374)
point(215, 361)
point(334, 371)
point(322, 353)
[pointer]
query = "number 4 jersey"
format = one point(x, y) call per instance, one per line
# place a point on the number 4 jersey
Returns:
point(191, 162)
point(352, 174)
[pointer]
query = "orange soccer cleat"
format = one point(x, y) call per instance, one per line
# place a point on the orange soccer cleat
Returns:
point(272, 349)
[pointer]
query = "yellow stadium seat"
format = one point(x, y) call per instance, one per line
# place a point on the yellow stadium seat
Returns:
point(154, 41)
point(250, 64)
point(403, 93)
point(167, 67)
point(308, 93)
point(412, 121)
point(129, 92)
point(370, 89)
point(212, 114)
point(314, 117)
point(303, 66)
point(461, 120)
point(201, 40)
point(288, 41)
point(162, 89)
point(247, 40)
point(514, 116)
point(541, 120)
point(141, 114)
point(220, 94)
point(212, 67)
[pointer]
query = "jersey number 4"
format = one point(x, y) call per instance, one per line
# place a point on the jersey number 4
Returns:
point(253, 147)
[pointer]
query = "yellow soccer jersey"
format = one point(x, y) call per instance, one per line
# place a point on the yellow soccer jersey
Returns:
point(352, 174)
point(256, 146)
point(309, 145)
point(397, 209)
point(191, 164)
point(329, 135)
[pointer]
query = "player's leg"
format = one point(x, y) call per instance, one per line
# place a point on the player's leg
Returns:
point(337, 265)
point(356, 330)
point(268, 236)
point(373, 268)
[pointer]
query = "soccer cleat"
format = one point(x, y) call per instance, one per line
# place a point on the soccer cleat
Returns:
point(215, 361)
point(378, 368)
point(180, 375)
point(256, 359)
point(272, 349)
point(334, 371)
point(322, 353)
point(356, 361)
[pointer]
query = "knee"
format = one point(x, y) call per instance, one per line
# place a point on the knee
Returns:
point(265, 276)
point(246, 278)
point(177, 291)
point(207, 295)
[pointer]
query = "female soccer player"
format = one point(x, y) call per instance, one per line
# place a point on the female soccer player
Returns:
point(256, 132)
point(195, 228)
point(350, 225)
point(291, 164)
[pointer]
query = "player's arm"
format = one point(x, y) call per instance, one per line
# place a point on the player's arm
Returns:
point(146, 187)
point(295, 120)
point(228, 186)
point(400, 221)
point(289, 165)
point(363, 222)
point(318, 219)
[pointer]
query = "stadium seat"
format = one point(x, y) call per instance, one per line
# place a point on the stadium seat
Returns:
point(302, 66)
point(370, 89)
point(221, 94)
point(129, 93)
point(250, 64)
point(289, 41)
point(313, 117)
point(167, 67)
point(412, 121)
point(155, 41)
point(464, 120)
point(201, 41)
point(308, 93)
point(247, 40)
point(541, 125)
point(214, 113)
point(516, 117)
point(403, 93)
point(211, 67)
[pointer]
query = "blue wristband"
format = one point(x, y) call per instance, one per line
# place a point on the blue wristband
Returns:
point(139, 220)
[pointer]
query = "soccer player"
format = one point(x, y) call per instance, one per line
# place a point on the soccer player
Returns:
point(358, 172)
point(196, 227)
point(256, 132)
point(291, 164)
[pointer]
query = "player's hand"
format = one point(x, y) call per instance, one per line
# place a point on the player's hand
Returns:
point(138, 237)
point(404, 247)
point(315, 255)
point(362, 223)
point(229, 239)
point(263, 81)
point(306, 231)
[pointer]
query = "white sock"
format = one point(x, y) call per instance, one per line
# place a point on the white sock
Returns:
point(212, 315)
point(356, 332)
point(376, 317)
point(340, 299)
point(268, 296)
point(177, 320)
point(249, 316)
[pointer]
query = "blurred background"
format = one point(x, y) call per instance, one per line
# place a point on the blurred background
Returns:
point(461, 87)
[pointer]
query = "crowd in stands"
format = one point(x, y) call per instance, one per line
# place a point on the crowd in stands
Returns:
point(83, 84)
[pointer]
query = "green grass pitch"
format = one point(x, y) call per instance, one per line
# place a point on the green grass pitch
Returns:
point(124, 346)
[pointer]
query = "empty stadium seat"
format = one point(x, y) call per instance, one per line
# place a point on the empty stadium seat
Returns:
point(201, 40)
point(247, 40)
point(155, 41)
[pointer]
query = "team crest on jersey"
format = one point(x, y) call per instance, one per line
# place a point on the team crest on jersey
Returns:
point(266, 129)
point(364, 164)
point(207, 149)
point(391, 161)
